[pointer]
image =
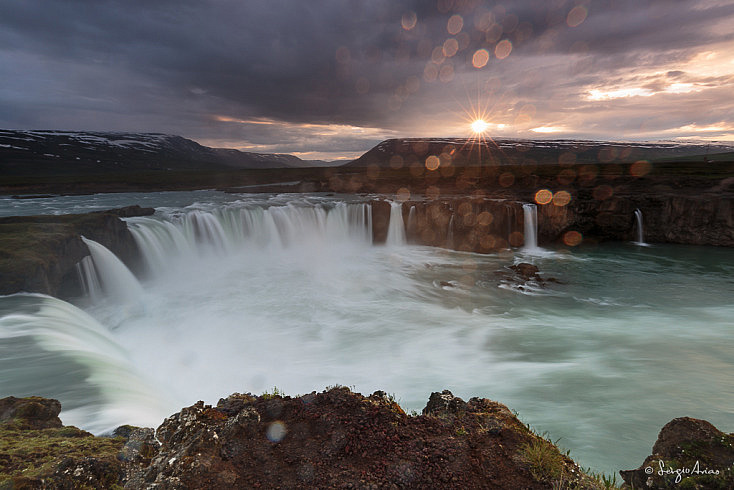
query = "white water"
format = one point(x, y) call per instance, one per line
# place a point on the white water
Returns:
point(530, 226)
point(640, 233)
point(254, 292)
point(105, 375)
point(117, 281)
point(396, 228)
point(412, 223)
point(89, 279)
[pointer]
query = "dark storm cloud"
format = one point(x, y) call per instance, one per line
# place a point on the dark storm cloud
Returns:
point(216, 70)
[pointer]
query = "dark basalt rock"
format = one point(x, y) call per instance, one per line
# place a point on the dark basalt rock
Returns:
point(523, 274)
point(689, 453)
point(526, 271)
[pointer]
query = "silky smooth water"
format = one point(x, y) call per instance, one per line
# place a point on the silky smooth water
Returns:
point(245, 293)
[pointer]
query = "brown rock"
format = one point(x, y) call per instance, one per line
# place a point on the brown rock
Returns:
point(689, 453)
point(30, 413)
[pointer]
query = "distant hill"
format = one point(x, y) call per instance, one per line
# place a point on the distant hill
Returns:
point(74, 153)
point(463, 152)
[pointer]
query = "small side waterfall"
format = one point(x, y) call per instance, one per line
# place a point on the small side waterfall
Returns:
point(396, 229)
point(640, 232)
point(89, 279)
point(450, 233)
point(412, 223)
point(530, 212)
point(116, 279)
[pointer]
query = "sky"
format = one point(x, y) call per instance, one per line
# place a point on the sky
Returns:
point(329, 79)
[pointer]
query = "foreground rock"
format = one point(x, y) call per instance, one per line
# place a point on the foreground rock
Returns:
point(689, 453)
point(38, 254)
point(36, 451)
point(334, 439)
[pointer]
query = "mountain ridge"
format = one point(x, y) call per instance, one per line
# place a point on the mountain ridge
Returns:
point(53, 152)
point(398, 152)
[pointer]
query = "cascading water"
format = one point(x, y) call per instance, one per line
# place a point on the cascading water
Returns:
point(228, 230)
point(396, 228)
point(640, 234)
point(412, 223)
point(117, 280)
point(89, 279)
point(62, 352)
point(530, 226)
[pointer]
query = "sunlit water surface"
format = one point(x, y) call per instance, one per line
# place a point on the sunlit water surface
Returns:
point(630, 338)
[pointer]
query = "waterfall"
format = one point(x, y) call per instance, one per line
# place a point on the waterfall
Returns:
point(640, 235)
point(450, 233)
point(231, 229)
point(396, 229)
point(89, 279)
point(117, 281)
point(68, 355)
point(157, 240)
point(530, 214)
point(412, 224)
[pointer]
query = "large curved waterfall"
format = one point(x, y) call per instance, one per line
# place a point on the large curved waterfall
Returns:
point(243, 293)
point(229, 229)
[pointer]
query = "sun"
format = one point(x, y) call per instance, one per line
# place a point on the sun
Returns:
point(479, 126)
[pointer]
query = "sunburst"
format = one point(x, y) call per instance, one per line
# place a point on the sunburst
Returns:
point(479, 126)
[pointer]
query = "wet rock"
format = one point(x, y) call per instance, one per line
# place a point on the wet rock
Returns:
point(526, 271)
point(521, 275)
point(689, 453)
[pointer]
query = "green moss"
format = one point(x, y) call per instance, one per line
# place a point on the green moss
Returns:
point(35, 454)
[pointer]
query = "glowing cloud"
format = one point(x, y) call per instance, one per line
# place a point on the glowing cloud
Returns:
point(548, 129)
point(619, 93)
